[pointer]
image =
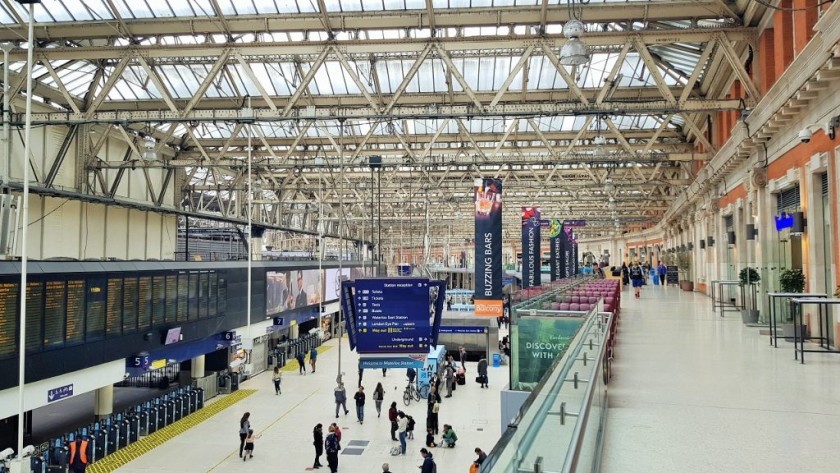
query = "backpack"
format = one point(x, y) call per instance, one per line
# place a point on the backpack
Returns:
point(636, 272)
point(395, 451)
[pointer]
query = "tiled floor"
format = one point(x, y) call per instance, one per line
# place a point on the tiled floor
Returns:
point(694, 392)
point(286, 423)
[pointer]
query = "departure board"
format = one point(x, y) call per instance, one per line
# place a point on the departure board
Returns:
point(171, 298)
point(222, 296)
point(34, 314)
point(75, 333)
point(193, 299)
point(129, 322)
point(95, 326)
point(54, 312)
point(144, 302)
point(8, 317)
point(158, 300)
point(182, 297)
point(213, 293)
point(113, 313)
point(203, 297)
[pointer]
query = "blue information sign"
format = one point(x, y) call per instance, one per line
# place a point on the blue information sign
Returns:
point(392, 315)
point(462, 329)
point(57, 394)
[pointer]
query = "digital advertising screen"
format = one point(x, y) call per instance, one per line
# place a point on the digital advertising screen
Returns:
point(286, 290)
point(332, 283)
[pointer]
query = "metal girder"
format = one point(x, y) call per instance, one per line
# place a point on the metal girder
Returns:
point(660, 10)
point(363, 48)
point(339, 112)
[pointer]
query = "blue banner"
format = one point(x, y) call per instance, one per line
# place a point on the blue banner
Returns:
point(488, 247)
point(392, 315)
point(531, 266)
point(392, 362)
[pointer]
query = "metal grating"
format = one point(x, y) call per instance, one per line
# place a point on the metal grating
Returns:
point(729, 222)
point(788, 200)
point(824, 183)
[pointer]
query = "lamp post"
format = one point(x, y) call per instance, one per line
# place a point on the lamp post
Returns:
point(17, 465)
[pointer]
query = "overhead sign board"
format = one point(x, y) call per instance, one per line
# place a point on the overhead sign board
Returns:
point(392, 315)
point(59, 393)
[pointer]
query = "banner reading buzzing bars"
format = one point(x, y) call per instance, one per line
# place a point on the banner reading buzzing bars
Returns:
point(488, 247)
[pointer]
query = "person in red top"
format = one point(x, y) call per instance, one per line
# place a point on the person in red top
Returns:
point(78, 460)
point(392, 416)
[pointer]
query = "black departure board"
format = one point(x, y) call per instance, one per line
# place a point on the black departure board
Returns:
point(113, 314)
point(213, 293)
point(8, 317)
point(129, 322)
point(75, 333)
point(95, 298)
point(182, 297)
point(203, 297)
point(222, 296)
point(171, 298)
point(144, 302)
point(193, 299)
point(34, 314)
point(158, 300)
point(54, 314)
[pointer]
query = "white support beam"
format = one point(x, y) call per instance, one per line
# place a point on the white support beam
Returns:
point(162, 90)
point(522, 60)
point(735, 61)
point(249, 72)
point(450, 66)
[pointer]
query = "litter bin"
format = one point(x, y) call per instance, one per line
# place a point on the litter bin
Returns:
point(497, 360)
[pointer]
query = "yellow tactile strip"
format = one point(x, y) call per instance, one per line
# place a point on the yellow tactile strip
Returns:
point(148, 443)
point(292, 364)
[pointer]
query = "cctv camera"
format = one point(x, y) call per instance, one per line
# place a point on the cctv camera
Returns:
point(27, 451)
point(805, 135)
point(6, 454)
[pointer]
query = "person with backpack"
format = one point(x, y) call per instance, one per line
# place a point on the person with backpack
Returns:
point(482, 372)
point(429, 465)
point(378, 396)
point(637, 277)
point(332, 446)
point(318, 441)
point(301, 359)
point(410, 428)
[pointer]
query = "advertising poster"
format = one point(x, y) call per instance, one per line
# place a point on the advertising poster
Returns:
point(539, 341)
point(332, 283)
point(557, 258)
point(286, 290)
point(488, 247)
point(531, 265)
point(568, 256)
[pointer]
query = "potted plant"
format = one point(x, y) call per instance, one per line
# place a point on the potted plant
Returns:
point(749, 278)
point(684, 265)
point(793, 281)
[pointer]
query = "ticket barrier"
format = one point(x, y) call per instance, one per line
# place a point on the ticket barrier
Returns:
point(199, 398)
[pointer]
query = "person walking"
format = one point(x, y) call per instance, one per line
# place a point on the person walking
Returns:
point(249, 444)
point(392, 416)
point(276, 378)
point(318, 441)
point(340, 399)
point(360, 404)
point(462, 352)
point(403, 428)
point(449, 378)
point(482, 372)
point(378, 396)
point(637, 277)
point(332, 446)
point(301, 359)
point(313, 357)
point(244, 427)
point(625, 275)
point(662, 271)
point(433, 409)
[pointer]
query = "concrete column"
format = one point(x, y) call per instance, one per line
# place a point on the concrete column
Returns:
point(103, 401)
point(256, 248)
point(197, 367)
point(293, 331)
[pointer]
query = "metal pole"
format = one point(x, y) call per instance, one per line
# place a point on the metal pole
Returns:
point(379, 212)
point(27, 147)
point(342, 224)
point(250, 239)
point(7, 132)
point(371, 222)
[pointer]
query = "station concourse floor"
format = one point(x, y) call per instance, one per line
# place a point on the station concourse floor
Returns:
point(286, 423)
point(696, 392)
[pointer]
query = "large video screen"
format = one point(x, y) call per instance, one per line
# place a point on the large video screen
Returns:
point(286, 290)
point(332, 283)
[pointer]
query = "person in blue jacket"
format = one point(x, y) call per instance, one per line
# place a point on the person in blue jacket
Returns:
point(428, 462)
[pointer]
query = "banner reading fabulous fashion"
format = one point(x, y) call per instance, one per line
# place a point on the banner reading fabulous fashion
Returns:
point(488, 247)
point(557, 240)
point(531, 266)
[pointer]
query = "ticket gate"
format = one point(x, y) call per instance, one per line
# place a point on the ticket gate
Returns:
point(99, 441)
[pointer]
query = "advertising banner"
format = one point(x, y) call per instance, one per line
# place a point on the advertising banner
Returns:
point(557, 258)
point(488, 247)
point(575, 265)
point(538, 342)
point(392, 315)
point(568, 255)
point(286, 290)
point(332, 283)
point(531, 266)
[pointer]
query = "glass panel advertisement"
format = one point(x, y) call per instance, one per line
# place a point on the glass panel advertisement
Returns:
point(536, 343)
